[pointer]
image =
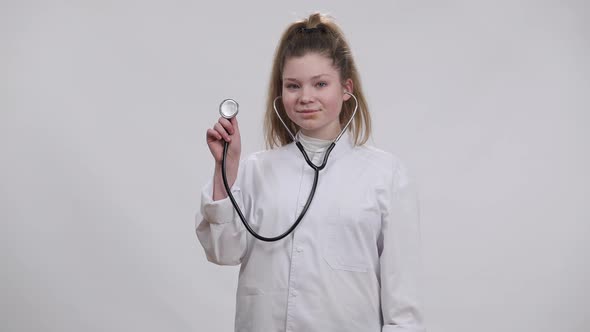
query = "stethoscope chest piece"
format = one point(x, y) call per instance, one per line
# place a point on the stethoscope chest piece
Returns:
point(228, 108)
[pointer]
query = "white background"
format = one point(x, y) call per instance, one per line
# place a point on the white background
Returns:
point(104, 107)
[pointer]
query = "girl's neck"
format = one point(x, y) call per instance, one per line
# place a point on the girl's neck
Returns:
point(312, 144)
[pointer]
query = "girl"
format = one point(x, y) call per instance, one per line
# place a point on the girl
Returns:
point(353, 262)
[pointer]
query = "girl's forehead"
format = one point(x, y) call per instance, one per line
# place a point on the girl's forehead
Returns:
point(309, 65)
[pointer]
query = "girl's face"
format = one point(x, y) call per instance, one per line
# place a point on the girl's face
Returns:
point(313, 94)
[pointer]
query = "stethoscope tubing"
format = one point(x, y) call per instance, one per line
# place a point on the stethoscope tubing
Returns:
point(305, 208)
point(316, 169)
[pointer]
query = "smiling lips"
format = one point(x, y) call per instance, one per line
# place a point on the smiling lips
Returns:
point(308, 114)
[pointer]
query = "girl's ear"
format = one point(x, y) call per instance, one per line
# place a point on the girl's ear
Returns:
point(348, 87)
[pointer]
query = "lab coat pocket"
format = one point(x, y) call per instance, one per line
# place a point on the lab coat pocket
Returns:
point(342, 244)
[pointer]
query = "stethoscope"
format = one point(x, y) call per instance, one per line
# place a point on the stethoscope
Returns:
point(228, 109)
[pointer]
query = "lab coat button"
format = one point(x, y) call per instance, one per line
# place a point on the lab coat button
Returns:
point(299, 249)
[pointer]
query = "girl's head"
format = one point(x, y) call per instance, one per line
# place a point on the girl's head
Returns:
point(312, 71)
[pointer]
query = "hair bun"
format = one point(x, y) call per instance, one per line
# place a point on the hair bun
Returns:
point(319, 28)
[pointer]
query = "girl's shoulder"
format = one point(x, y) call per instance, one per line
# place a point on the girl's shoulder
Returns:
point(379, 156)
point(385, 163)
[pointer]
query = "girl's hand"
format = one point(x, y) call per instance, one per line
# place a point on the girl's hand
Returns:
point(224, 130)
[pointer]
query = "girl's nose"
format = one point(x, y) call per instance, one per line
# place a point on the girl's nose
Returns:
point(306, 95)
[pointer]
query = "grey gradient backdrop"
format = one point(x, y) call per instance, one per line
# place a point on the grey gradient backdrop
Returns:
point(104, 108)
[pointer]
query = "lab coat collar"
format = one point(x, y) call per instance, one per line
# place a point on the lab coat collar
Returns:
point(343, 146)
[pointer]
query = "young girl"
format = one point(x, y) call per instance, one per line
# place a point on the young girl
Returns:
point(353, 263)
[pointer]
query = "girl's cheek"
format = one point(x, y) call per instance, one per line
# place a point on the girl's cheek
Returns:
point(288, 100)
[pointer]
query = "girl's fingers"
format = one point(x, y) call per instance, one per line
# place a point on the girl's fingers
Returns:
point(219, 128)
point(227, 125)
point(213, 135)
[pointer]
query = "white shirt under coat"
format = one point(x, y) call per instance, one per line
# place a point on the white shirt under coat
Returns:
point(353, 263)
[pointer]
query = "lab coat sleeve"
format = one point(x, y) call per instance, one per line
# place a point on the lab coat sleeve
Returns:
point(400, 258)
point(219, 228)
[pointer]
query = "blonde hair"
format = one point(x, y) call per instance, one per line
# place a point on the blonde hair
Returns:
point(316, 34)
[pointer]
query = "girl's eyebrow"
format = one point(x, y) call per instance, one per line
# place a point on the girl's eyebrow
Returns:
point(313, 78)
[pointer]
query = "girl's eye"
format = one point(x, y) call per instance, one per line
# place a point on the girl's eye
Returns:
point(292, 86)
point(322, 84)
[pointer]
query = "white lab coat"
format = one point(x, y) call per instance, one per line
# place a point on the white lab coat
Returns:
point(354, 262)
